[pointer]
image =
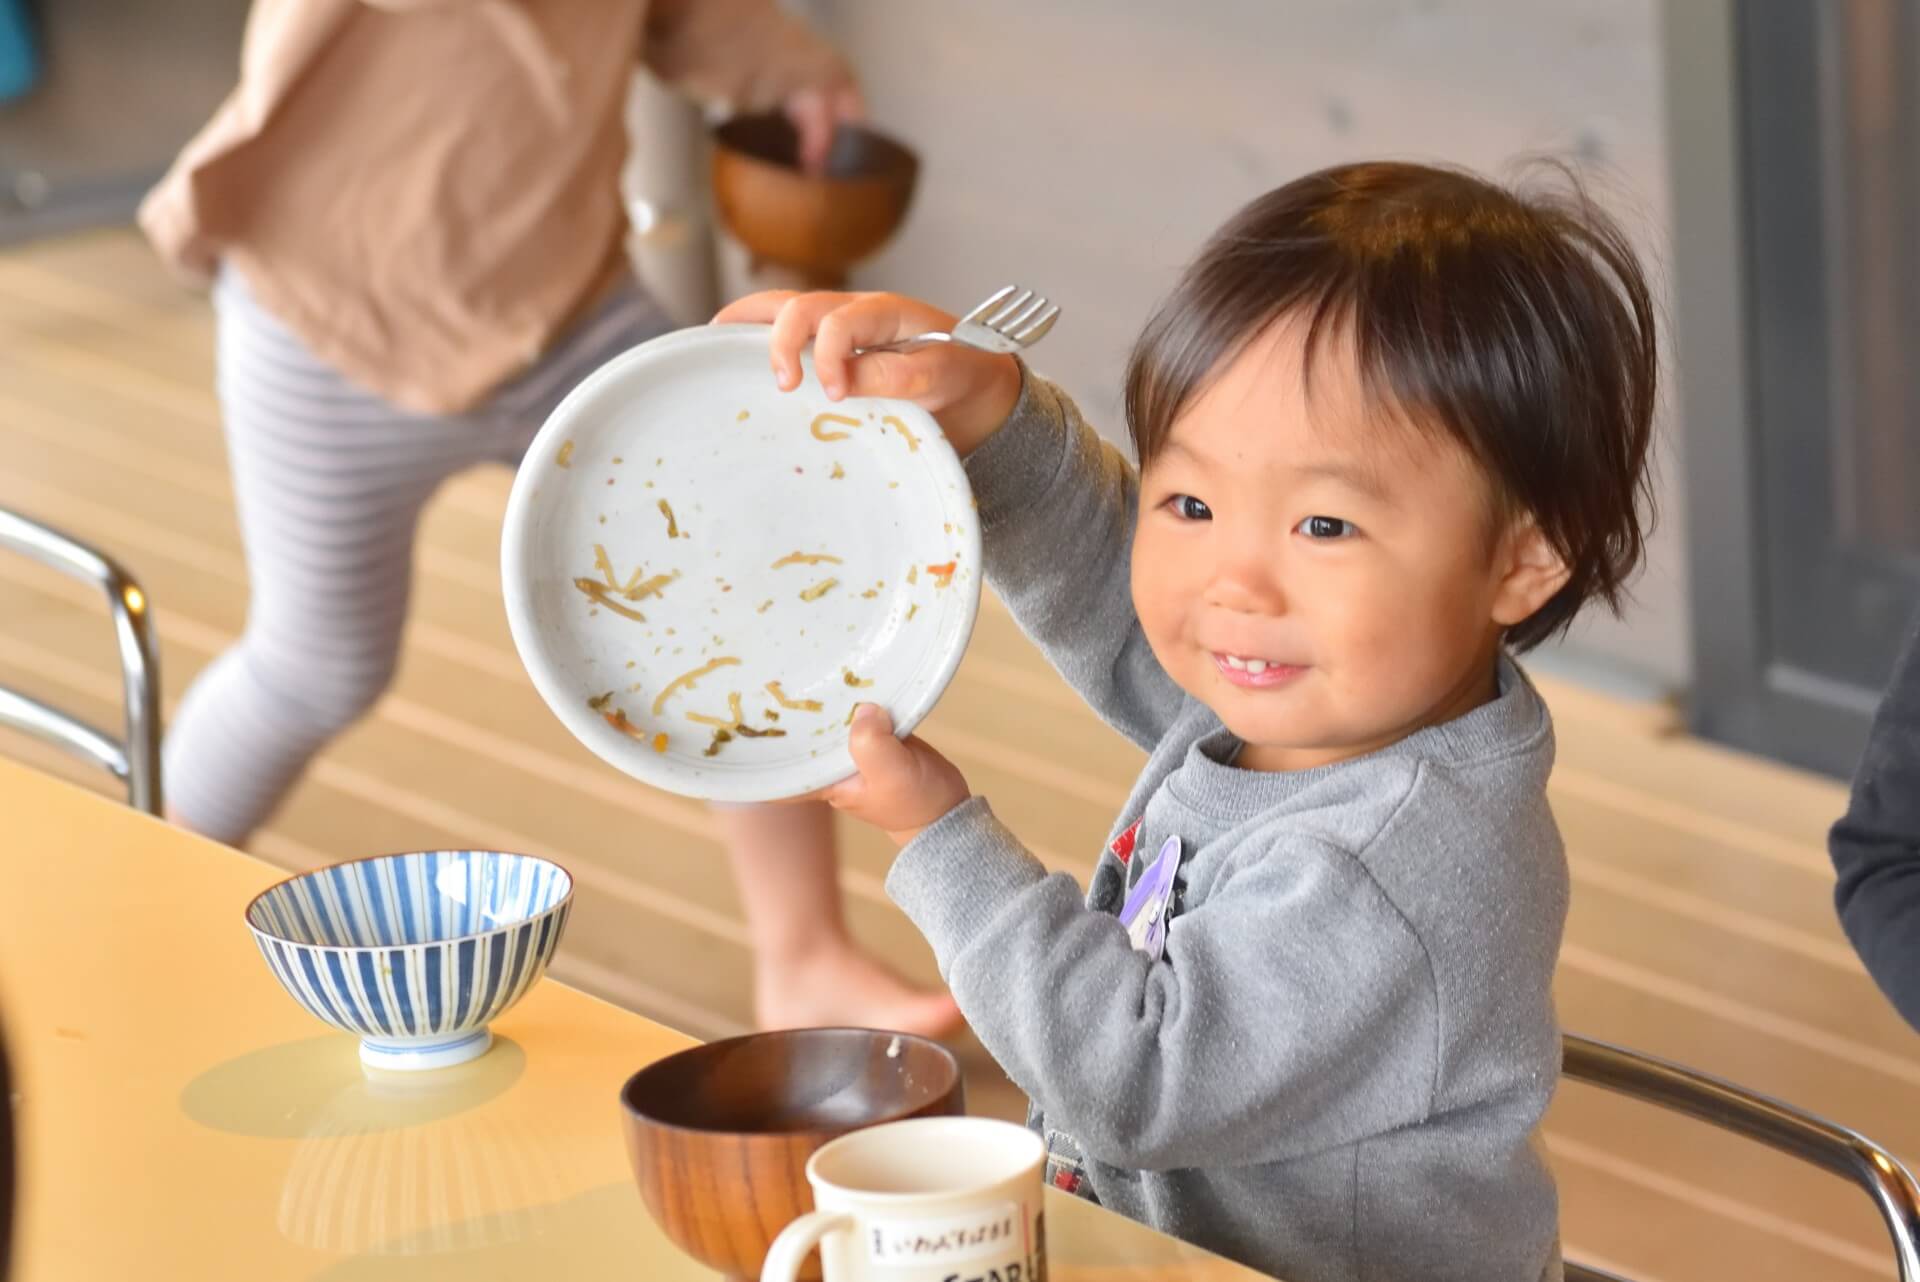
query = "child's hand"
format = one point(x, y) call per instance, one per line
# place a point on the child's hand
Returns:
point(968, 391)
point(902, 786)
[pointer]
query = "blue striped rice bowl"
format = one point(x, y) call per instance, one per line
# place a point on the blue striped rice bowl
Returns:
point(415, 953)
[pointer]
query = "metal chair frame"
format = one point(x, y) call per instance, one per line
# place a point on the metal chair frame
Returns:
point(134, 760)
point(1772, 1122)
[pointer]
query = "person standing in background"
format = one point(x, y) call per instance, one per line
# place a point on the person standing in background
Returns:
point(410, 215)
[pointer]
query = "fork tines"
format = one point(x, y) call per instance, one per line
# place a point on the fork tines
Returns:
point(1023, 317)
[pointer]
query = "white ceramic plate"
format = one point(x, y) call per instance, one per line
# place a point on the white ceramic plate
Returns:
point(811, 546)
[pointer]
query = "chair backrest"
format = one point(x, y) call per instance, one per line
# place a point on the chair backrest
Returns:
point(1772, 1122)
point(135, 760)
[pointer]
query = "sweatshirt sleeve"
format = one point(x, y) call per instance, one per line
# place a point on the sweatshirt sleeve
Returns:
point(1057, 510)
point(1294, 1010)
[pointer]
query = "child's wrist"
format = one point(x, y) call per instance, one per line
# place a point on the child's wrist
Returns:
point(969, 423)
point(902, 836)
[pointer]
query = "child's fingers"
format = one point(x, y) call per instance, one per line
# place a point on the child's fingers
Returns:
point(853, 792)
point(847, 794)
point(837, 325)
point(864, 322)
point(803, 799)
point(754, 309)
point(882, 760)
point(796, 322)
point(901, 785)
point(892, 767)
point(897, 375)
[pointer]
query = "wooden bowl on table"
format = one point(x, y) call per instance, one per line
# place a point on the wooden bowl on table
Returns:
point(719, 1135)
point(817, 225)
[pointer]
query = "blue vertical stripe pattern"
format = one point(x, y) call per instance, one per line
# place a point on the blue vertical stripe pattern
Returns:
point(415, 949)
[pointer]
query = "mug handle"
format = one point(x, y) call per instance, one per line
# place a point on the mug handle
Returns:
point(789, 1250)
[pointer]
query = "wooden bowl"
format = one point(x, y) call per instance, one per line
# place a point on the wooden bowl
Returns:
point(816, 224)
point(719, 1135)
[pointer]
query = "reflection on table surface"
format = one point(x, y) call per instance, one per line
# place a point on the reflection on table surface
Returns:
point(181, 1117)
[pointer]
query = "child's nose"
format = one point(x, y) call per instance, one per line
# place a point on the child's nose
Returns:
point(1248, 582)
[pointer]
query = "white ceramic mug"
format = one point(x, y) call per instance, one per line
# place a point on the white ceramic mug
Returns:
point(933, 1199)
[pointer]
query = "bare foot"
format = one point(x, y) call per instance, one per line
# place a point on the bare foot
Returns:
point(840, 986)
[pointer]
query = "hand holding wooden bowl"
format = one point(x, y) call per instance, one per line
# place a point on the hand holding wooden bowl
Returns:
point(816, 224)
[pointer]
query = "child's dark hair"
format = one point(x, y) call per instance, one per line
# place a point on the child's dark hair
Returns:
point(1519, 324)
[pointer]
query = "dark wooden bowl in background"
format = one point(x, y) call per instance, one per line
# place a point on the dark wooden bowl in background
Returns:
point(817, 224)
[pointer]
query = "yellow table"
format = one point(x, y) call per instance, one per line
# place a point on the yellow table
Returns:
point(181, 1117)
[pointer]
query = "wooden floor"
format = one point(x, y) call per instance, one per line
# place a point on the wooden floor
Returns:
point(1701, 927)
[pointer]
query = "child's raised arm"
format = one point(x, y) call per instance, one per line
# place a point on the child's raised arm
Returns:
point(1057, 508)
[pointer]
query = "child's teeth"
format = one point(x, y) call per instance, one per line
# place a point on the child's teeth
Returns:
point(1256, 666)
point(1235, 661)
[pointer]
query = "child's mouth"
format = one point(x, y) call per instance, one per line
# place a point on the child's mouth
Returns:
point(1256, 674)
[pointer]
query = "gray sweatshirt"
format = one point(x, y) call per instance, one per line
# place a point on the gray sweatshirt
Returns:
point(1338, 1067)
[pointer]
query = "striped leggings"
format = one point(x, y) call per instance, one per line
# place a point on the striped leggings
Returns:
point(329, 481)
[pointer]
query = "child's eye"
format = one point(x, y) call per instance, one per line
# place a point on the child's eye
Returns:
point(1326, 527)
point(1189, 508)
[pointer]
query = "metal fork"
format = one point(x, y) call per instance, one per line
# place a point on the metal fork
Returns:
point(1007, 320)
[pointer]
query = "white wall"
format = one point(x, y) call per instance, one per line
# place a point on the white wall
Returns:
point(1085, 147)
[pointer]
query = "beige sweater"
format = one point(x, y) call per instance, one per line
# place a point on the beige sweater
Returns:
point(427, 191)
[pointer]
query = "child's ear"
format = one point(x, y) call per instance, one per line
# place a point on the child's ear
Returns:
point(1531, 571)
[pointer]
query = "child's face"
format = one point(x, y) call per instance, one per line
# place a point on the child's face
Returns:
point(1326, 581)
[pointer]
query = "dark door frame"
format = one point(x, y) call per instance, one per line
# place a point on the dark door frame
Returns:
point(1745, 691)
